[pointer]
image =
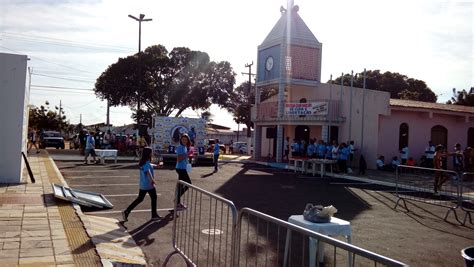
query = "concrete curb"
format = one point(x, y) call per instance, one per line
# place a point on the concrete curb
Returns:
point(286, 166)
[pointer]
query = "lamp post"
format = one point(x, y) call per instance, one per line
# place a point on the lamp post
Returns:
point(139, 19)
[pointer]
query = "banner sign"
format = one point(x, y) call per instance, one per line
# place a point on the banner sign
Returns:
point(168, 130)
point(312, 108)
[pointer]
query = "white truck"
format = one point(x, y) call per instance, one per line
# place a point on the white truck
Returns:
point(166, 133)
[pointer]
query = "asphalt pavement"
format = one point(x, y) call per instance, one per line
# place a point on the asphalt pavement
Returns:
point(419, 237)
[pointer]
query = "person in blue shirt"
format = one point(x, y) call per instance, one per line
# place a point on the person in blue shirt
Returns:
point(311, 150)
point(295, 148)
point(147, 185)
point(216, 154)
point(321, 149)
point(90, 147)
point(343, 156)
point(181, 164)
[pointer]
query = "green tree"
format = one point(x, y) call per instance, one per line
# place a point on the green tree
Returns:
point(43, 118)
point(462, 97)
point(243, 98)
point(207, 116)
point(165, 83)
point(398, 85)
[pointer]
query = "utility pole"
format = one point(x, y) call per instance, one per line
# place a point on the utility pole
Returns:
point(140, 19)
point(60, 107)
point(250, 74)
point(108, 114)
point(80, 119)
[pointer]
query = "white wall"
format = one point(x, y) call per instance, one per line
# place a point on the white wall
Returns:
point(13, 116)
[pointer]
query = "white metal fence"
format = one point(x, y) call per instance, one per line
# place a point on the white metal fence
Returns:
point(209, 233)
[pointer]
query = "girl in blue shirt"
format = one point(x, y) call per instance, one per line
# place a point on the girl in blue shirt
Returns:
point(147, 185)
point(181, 163)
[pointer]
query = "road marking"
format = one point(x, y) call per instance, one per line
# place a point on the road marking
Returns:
point(99, 185)
point(126, 195)
point(361, 183)
point(98, 177)
point(119, 211)
point(87, 171)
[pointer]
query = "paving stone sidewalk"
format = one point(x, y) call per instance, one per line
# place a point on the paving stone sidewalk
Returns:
point(36, 229)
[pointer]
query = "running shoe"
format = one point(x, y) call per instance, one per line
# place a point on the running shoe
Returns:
point(125, 215)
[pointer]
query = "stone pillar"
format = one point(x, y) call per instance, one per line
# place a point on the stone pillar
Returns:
point(279, 144)
point(325, 133)
point(257, 142)
point(281, 99)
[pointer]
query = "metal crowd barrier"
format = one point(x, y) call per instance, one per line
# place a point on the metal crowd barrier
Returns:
point(203, 234)
point(209, 233)
point(467, 195)
point(434, 186)
point(263, 240)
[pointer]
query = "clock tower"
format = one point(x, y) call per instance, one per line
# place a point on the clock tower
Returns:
point(289, 56)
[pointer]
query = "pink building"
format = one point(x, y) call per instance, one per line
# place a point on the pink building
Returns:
point(289, 63)
point(416, 123)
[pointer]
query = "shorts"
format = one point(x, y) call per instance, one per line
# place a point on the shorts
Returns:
point(91, 152)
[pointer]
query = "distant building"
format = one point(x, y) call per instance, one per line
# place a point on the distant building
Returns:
point(289, 60)
point(225, 134)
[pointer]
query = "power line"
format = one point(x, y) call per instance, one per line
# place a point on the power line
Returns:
point(62, 91)
point(61, 87)
point(50, 62)
point(49, 71)
point(67, 79)
point(64, 42)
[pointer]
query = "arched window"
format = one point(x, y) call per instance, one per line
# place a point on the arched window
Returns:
point(470, 137)
point(403, 136)
point(439, 135)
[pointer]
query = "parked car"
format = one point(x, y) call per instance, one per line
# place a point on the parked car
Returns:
point(243, 149)
point(51, 139)
point(237, 145)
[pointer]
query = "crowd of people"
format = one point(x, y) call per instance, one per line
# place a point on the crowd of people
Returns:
point(342, 153)
point(434, 157)
point(124, 143)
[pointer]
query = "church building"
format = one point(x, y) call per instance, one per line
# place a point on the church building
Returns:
point(289, 62)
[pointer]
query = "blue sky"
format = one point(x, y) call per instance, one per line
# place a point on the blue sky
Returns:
point(71, 42)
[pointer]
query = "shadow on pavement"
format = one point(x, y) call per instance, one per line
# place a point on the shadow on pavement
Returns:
point(142, 234)
point(283, 196)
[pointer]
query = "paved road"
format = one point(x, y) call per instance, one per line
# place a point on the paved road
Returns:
point(419, 238)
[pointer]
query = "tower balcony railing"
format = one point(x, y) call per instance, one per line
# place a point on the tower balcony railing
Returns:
point(268, 112)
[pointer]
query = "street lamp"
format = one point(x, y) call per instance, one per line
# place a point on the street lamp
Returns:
point(140, 19)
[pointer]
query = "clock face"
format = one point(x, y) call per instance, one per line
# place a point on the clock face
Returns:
point(269, 63)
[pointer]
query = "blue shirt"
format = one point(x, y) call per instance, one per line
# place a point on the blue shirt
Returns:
point(216, 149)
point(90, 142)
point(321, 150)
point(311, 150)
point(329, 151)
point(145, 181)
point(344, 153)
point(295, 147)
point(182, 151)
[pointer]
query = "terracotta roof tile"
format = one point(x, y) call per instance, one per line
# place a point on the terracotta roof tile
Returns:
point(428, 105)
